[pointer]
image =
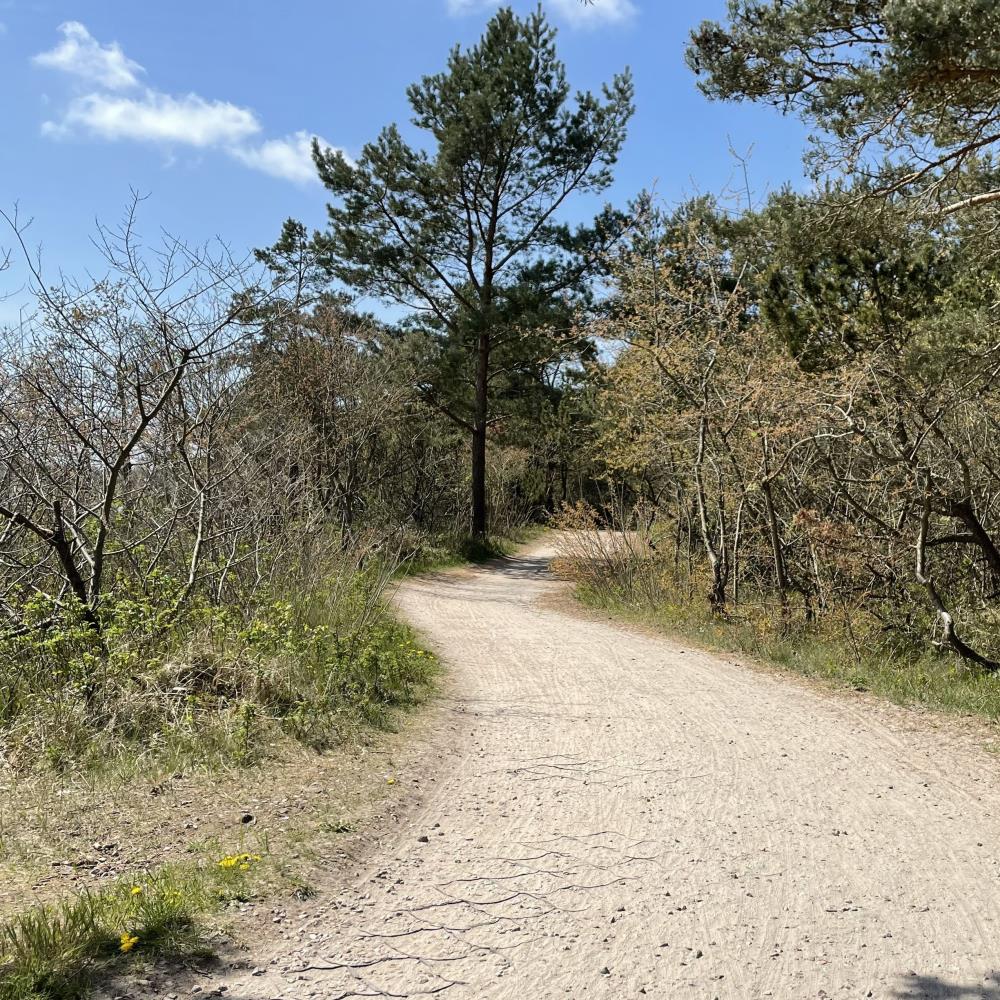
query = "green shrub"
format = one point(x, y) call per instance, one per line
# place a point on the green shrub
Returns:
point(201, 684)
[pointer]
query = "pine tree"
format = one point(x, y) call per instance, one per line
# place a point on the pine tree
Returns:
point(466, 230)
point(906, 93)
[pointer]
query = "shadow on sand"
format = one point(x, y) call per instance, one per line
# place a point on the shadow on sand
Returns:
point(520, 567)
point(934, 988)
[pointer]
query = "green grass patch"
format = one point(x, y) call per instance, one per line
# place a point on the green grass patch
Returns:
point(62, 951)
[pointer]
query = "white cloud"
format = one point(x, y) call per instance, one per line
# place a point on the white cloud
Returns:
point(598, 12)
point(163, 119)
point(577, 12)
point(156, 117)
point(289, 158)
point(80, 54)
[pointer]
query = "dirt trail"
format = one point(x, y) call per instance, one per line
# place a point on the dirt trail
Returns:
point(616, 815)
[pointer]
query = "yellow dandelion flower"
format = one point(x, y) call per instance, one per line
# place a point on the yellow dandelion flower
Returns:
point(137, 890)
point(390, 781)
point(245, 867)
point(128, 941)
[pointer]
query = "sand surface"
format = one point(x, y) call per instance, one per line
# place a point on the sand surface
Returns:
point(615, 815)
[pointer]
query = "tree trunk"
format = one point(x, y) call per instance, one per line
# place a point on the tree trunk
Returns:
point(777, 549)
point(951, 638)
point(735, 562)
point(716, 554)
point(64, 552)
point(479, 522)
point(965, 512)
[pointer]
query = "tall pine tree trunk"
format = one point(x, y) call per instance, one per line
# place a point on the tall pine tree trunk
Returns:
point(479, 423)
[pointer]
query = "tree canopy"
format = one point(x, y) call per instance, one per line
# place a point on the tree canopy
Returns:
point(907, 92)
point(466, 230)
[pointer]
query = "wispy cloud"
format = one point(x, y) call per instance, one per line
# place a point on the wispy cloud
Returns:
point(598, 12)
point(576, 12)
point(151, 116)
point(289, 158)
point(81, 55)
point(156, 117)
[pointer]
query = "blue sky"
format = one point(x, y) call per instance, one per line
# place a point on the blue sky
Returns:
point(207, 107)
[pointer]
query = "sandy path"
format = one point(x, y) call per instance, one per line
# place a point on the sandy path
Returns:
point(616, 815)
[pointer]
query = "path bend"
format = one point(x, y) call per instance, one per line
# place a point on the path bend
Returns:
point(617, 815)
